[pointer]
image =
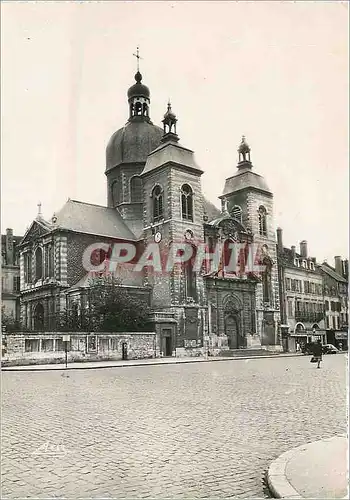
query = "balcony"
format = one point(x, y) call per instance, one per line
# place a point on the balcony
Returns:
point(309, 317)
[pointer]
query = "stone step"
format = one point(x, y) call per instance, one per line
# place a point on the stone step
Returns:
point(245, 353)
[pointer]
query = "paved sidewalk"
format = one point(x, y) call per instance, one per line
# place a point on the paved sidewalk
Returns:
point(315, 470)
point(138, 362)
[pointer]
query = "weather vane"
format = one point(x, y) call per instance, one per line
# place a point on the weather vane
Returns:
point(138, 57)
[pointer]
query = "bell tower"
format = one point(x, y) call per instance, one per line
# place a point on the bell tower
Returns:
point(247, 192)
point(173, 215)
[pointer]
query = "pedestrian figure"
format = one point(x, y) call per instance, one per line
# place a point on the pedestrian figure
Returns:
point(317, 352)
point(298, 347)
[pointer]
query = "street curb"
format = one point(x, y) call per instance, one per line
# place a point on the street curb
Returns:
point(276, 477)
point(201, 360)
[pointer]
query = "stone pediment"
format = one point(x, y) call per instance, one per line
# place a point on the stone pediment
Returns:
point(36, 230)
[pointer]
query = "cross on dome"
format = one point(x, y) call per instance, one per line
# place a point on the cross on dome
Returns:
point(138, 57)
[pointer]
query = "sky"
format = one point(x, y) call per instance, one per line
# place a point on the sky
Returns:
point(276, 72)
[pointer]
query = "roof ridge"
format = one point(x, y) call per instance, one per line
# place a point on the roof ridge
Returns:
point(86, 203)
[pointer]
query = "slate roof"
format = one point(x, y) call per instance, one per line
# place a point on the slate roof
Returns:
point(332, 273)
point(92, 219)
point(132, 143)
point(211, 210)
point(170, 152)
point(245, 178)
point(287, 259)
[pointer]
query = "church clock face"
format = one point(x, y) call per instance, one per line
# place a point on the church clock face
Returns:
point(188, 235)
point(158, 237)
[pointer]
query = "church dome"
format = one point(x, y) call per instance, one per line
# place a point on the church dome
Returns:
point(132, 143)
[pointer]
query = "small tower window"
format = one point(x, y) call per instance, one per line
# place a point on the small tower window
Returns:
point(237, 213)
point(187, 202)
point(145, 109)
point(136, 189)
point(138, 108)
point(157, 196)
point(262, 221)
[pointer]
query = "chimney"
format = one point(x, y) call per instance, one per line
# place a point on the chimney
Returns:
point(9, 247)
point(346, 269)
point(303, 249)
point(293, 250)
point(338, 264)
point(279, 240)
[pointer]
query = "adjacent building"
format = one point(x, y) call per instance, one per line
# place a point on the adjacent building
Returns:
point(10, 275)
point(301, 292)
point(335, 290)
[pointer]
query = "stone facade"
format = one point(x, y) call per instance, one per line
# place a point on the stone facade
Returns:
point(48, 347)
point(192, 310)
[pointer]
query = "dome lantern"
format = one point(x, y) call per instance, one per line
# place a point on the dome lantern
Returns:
point(169, 125)
point(138, 96)
point(244, 154)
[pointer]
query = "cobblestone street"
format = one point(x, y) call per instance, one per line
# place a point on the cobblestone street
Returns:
point(204, 430)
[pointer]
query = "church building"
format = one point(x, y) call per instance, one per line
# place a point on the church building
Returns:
point(154, 195)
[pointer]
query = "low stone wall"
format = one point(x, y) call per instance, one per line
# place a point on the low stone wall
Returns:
point(48, 347)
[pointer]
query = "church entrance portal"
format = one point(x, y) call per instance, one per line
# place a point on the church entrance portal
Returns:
point(232, 332)
point(39, 317)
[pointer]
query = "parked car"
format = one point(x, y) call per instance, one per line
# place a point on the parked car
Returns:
point(329, 349)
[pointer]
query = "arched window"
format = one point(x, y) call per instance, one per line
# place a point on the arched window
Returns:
point(157, 196)
point(136, 189)
point(28, 267)
point(38, 264)
point(187, 202)
point(237, 213)
point(262, 221)
point(145, 109)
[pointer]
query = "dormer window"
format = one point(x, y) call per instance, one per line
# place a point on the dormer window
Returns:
point(312, 266)
point(304, 264)
point(297, 262)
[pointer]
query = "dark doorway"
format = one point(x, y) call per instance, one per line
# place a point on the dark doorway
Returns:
point(39, 317)
point(231, 330)
point(124, 350)
point(167, 347)
point(268, 337)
